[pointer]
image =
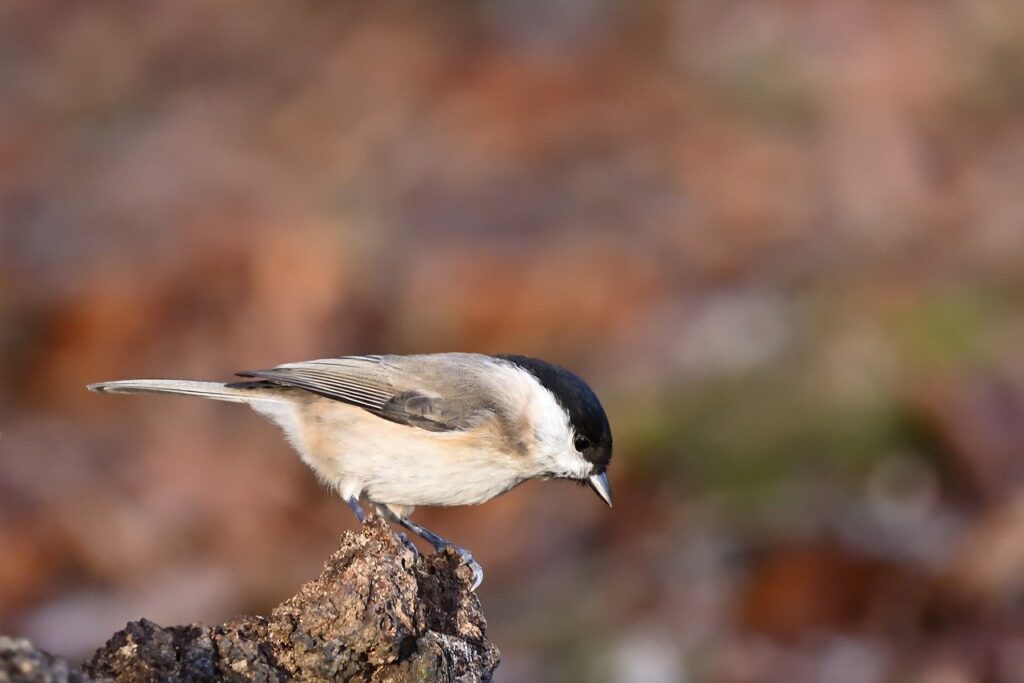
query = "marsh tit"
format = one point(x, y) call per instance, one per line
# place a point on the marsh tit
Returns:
point(438, 429)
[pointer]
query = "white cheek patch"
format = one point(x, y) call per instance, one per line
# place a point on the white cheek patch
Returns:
point(553, 449)
point(573, 464)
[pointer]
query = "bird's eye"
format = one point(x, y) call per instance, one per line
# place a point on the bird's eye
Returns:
point(581, 443)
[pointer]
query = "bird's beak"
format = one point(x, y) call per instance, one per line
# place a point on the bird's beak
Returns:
point(599, 482)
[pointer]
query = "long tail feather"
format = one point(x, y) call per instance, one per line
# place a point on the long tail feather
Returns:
point(212, 390)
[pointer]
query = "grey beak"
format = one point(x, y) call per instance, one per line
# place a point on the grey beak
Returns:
point(599, 482)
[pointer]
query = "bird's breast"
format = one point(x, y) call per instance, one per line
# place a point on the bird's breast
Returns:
point(403, 465)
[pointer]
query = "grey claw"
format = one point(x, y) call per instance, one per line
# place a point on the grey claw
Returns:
point(478, 574)
point(433, 539)
point(474, 566)
point(410, 545)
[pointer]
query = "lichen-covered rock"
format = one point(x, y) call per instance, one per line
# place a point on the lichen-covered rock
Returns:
point(19, 661)
point(144, 651)
point(376, 613)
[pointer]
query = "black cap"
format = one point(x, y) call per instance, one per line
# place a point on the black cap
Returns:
point(586, 415)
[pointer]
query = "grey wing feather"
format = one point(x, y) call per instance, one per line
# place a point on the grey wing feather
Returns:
point(432, 413)
point(359, 380)
point(385, 386)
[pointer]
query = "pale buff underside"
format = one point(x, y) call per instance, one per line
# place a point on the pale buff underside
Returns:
point(358, 453)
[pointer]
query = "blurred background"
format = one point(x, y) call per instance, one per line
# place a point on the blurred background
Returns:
point(782, 239)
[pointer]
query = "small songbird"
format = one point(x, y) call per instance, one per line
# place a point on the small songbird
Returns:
point(438, 429)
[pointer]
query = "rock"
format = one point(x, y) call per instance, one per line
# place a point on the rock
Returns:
point(376, 613)
point(19, 661)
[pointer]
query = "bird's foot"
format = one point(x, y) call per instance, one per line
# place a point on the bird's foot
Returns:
point(353, 502)
point(439, 543)
point(407, 542)
point(474, 566)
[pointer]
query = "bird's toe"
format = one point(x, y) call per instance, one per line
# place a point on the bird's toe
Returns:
point(474, 566)
point(407, 542)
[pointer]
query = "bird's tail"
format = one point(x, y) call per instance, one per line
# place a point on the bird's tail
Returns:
point(217, 391)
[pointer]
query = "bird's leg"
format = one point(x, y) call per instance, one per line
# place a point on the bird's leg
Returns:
point(407, 542)
point(438, 543)
point(353, 502)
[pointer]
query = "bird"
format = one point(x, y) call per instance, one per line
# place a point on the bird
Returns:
point(440, 429)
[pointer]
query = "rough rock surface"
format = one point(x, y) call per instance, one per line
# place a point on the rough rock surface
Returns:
point(374, 614)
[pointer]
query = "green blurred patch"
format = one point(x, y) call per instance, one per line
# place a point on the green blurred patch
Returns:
point(742, 440)
point(755, 442)
point(949, 329)
point(770, 85)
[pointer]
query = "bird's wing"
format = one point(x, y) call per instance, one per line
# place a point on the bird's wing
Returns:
point(409, 390)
